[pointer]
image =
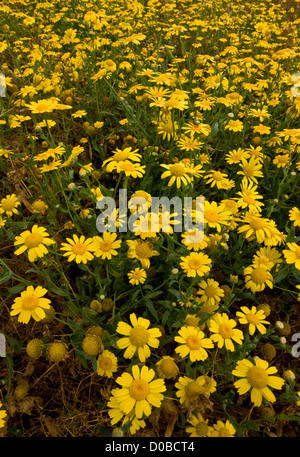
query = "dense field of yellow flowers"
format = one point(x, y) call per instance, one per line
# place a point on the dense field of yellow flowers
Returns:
point(149, 332)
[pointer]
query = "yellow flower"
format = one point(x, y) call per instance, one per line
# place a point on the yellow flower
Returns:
point(234, 126)
point(78, 249)
point(216, 178)
point(105, 247)
point(199, 427)
point(257, 378)
point(251, 169)
point(42, 106)
point(254, 318)
point(33, 242)
point(188, 390)
point(221, 429)
point(3, 415)
point(263, 229)
point(210, 292)
point(215, 216)
point(107, 364)
point(224, 332)
point(138, 338)
point(195, 264)
point(292, 255)
point(31, 304)
point(141, 250)
point(9, 205)
point(294, 216)
point(139, 391)
point(167, 368)
point(178, 173)
point(116, 414)
point(193, 343)
point(120, 156)
point(257, 277)
point(137, 276)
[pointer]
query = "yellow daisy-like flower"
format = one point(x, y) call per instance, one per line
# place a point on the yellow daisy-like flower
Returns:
point(34, 242)
point(107, 364)
point(31, 304)
point(224, 332)
point(257, 378)
point(138, 338)
point(294, 216)
point(262, 229)
point(105, 247)
point(140, 391)
point(116, 414)
point(178, 173)
point(141, 250)
point(120, 156)
point(9, 205)
point(222, 429)
point(195, 264)
point(192, 343)
point(137, 276)
point(234, 126)
point(199, 427)
point(216, 178)
point(78, 249)
point(215, 216)
point(188, 390)
point(292, 255)
point(210, 292)
point(3, 415)
point(167, 368)
point(257, 277)
point(254, 318)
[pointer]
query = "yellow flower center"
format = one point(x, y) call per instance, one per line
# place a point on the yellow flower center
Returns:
point(201, 429)
point(30, 302)
point(139, 336)
point(257, 377)
point(193, 342)
point(33, 240)
point(259, 275)
point(168, 367)
point(217, 176)
point(210, 291)
point(256, 223)
point(252, 318)
point(143, 251)
point(226, 331)
point(297, 252)
point(168, 128)
point(177, 170)
point(211, 216)
point(193, 389)
point(79, 248)
point(127, 166)
point(248, 171)
point(8, 204)
point(42, 107)
point(195, 264)
point(105, 246)
point(106, 363)
point(120, 155)
point(139, 389)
